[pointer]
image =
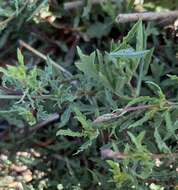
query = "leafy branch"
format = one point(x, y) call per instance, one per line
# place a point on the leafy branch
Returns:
point(120, 112)
point(108, 153)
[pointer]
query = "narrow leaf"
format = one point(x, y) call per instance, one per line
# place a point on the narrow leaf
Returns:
point(20, 57)
point(128, 53)
point(69, 132)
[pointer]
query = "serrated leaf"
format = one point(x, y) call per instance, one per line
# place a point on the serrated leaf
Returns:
point(82, 119)
point(85, 146)
point(87, 64)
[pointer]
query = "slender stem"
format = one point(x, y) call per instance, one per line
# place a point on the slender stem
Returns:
point(44, 57)
point(33, 50)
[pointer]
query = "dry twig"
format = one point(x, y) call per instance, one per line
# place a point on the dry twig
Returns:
point(146, 16)
point(77, 4)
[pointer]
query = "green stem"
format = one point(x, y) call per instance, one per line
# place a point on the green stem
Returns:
point(140, 78)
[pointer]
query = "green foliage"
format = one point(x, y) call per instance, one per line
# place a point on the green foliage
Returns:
point(69, 132)
point(119, 177)
point(130, 89)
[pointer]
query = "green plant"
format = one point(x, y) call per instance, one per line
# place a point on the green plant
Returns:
point(109, 121)
point(112, 96)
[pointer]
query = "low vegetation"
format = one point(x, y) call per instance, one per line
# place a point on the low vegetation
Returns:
point(87, 103)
